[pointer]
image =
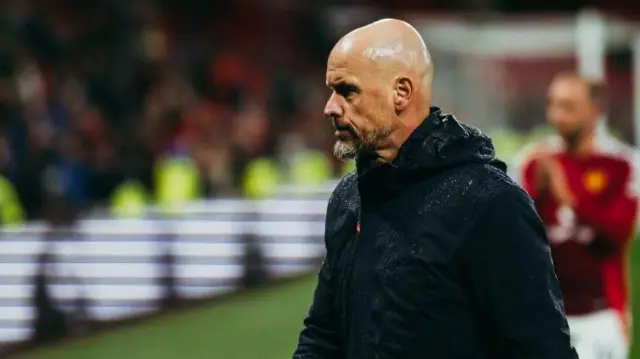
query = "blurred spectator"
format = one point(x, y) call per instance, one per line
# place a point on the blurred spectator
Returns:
point(93, 96)
point(97, 92)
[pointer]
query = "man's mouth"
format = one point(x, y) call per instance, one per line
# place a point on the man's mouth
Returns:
point(340, 127)
point(343, 132)
point(343, 135)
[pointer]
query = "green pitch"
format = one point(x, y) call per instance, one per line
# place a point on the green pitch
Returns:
point(254, 325)
point(260, 325)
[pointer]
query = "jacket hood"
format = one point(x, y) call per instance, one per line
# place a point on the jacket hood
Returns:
point(442, 142)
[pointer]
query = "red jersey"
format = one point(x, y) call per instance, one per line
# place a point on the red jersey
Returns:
point(589, 242)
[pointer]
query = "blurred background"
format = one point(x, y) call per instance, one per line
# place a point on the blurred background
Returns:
point(157, 154)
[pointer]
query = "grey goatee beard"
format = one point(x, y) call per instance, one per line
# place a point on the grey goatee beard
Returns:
point(344, 151)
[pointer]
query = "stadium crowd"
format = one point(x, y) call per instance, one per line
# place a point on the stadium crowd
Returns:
point(92, 94)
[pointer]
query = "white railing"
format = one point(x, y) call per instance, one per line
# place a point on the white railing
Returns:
point(116, 265)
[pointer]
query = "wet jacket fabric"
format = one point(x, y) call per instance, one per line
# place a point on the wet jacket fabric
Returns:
point(435, 255)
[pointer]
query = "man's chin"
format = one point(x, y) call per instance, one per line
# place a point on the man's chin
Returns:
point(344, 150)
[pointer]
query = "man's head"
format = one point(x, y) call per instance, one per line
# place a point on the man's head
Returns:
point(574, 106)
point(380, 81)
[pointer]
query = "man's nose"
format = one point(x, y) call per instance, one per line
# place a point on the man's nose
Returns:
point(332, 108)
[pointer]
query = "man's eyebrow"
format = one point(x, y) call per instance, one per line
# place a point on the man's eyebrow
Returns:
point(334, 81)
point(341, 82)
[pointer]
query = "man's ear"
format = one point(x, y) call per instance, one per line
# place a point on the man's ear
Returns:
point(402, 93)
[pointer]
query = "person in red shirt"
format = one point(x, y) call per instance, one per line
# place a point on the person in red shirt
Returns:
point(584, 185)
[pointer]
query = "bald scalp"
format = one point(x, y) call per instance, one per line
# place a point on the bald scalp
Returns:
point(380, 77)
point(393, 47)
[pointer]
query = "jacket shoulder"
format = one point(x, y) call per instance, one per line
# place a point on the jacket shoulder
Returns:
point(344, 201)
point(345, 190)
point(342, 207)
point(491, 183)
point(469, 190)
point(613, 147)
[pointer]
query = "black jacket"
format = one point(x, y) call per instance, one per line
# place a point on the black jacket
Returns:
point(436, 255)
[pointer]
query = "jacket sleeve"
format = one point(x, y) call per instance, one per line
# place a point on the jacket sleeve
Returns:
point(319, 338)
point(513, 284)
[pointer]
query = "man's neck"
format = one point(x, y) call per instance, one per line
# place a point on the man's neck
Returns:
point(387, 155)
point(398, 137)
point(584, 145)
point(394, 142)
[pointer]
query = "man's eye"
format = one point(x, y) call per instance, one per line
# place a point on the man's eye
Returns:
point(346, 90)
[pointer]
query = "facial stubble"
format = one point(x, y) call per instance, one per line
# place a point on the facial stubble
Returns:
point(367, 144)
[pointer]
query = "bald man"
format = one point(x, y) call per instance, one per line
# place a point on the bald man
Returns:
point(585, 186)
point(432, 251)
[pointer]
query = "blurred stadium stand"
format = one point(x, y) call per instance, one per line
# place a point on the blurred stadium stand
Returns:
point(147, 142)
point(114, 267)
point(95, 95)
